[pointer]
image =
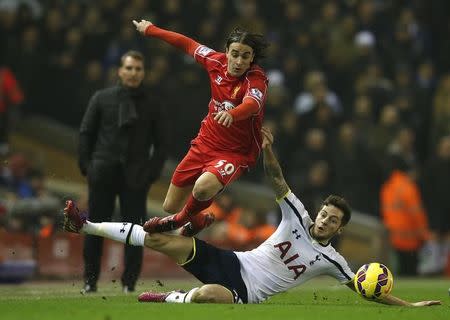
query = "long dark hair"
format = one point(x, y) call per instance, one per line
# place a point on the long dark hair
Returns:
point(254, 40)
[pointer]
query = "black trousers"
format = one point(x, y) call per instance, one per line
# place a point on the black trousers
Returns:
point(105, 184)
point(407, 262)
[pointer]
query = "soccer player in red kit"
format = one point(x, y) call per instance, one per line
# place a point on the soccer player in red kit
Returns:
point(229, 140)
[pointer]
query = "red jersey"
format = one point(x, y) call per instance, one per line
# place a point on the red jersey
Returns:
point(227, 92)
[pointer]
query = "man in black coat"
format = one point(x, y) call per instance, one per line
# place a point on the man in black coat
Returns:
point(122, 150)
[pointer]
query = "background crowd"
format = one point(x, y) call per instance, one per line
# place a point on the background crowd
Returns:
point(359, 89)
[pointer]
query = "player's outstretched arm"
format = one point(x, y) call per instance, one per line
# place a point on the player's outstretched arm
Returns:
point(173, 38)
point(394, 301)
point(272, 166)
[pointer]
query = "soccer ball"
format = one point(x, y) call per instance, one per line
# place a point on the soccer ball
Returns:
point(373, 280)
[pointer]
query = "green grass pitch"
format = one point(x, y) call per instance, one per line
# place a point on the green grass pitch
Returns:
point(318, 299)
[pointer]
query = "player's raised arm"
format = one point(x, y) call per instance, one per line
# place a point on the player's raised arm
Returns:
point(271, 165)
point(394, 301)
point(178, 40)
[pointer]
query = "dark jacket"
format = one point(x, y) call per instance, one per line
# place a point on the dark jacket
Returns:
point(124, 128)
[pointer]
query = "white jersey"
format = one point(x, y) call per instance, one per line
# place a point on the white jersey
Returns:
point(290, 256)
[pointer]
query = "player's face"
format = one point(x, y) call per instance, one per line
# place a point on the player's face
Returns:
point(328, 223)
point(240, 56)
point(131, 72)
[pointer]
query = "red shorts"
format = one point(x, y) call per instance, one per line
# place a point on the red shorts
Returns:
point(227, 167)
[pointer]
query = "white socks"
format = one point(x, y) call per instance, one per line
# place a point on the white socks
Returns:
point(124, 232)
point(181, 297)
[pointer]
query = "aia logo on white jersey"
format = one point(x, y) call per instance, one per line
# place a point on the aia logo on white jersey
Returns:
point(204, 51)
point(218, 79)
point(291, 264)
point(256, 93)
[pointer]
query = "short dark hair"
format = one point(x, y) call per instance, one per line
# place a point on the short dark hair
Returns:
point(341, 204)
point(254, 40)
point(132, 53)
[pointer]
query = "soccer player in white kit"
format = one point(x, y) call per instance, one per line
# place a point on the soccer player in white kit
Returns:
point(298, 251)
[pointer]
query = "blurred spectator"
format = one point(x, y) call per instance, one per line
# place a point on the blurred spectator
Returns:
point(28, 65)
point(440, 121)
point(315, 149)
point(403, 215)
point(327, 21)
point(25, 197)
point(436, 183)
point(237, 227)
point(373, 82)
point(316, 93)
point(293, 21)
point(402, 145)
point(225, 208)
point(287, 135)
point(215, 17)
point(14, 179)
point(96, 34)
point(409, 115)
point(293, 69)
point(248, 17)
point(125, 41)
point(363, 118)
point(277, 100)
point(13, 5)
point(53, 34)
point(317, 184)
point(10, 95)
point(367, 16)
point(171, 13)
point(9, 31)
point(384, 131)
point(249, 231)
point(47, 226)
point(364, 43)
point(38, 209)
point(94, 79)
point(409, 42)
point(403, 79)
point(15, 224)
point(306, 50)
point(73, 13)
point(425, 80)
point(356, 173)
point(340, 57)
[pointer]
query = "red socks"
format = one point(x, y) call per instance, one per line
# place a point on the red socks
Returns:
point(192, 207)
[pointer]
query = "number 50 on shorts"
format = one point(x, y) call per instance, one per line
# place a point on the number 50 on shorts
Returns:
point(224, 167)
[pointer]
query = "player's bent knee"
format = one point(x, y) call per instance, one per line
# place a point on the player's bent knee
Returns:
point(212, 293)
point(171, 207)
point(205, 189)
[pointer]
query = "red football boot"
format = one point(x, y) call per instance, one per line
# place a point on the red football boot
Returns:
point(153, 296)
point(73, 218)
point(198, 222)
point(161, 224)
